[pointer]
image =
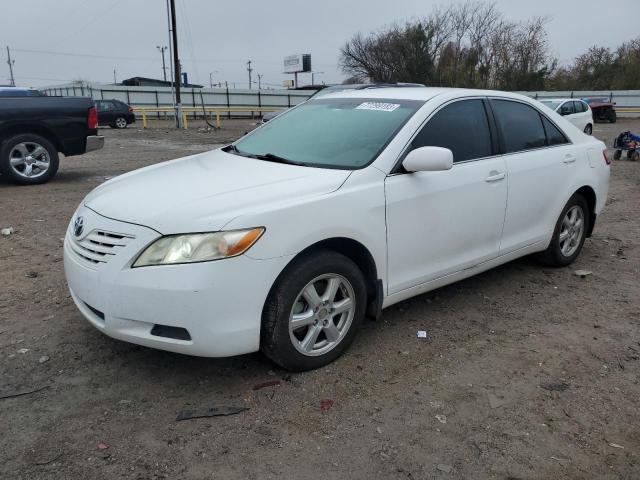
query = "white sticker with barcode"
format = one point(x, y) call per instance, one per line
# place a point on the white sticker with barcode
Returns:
point(380, 106)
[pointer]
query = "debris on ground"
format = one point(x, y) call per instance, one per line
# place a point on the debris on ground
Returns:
point(494, 401)
point(442, 418)
point(209, 412)
point(47, 462)
point(102, 446)
point(421, 334)
point(25, 392)
point(582, 273)
point(325, 405)
point(555, 387)
point(615, 445)
point(564, 461)
point(31, 274)
point(23, 350)
point(444, 468)
point(270, 383)
point(43, 359)
point(7, 231)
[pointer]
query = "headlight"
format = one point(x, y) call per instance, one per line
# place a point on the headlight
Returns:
point(198, 247)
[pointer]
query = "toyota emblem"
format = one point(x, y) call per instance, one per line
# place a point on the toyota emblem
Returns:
point(78, 226)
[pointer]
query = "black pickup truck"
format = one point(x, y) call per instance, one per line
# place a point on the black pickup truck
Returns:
point(33, 129)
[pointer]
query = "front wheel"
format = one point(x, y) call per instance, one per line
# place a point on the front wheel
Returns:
point(313, 311)
point(120, 123)
point(28, 159)
point(569, 234)
point(588, 129)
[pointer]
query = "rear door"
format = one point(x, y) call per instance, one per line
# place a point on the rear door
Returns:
point(442, 222)
point(539, 159)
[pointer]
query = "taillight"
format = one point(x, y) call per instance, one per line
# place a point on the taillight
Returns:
point(130, 110)
point(607, 160)
point(92, 119)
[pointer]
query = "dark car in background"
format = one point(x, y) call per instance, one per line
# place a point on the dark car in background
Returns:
point(114, 113)
point(13, 92)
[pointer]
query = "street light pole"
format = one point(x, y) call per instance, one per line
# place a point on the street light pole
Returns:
point(260, 81)
point(249, 69)
point(164, 68)
point(11, 63)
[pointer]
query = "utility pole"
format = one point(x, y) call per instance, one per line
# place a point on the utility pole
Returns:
point(176, 63)
point(11, 63)
point(173, 93)
point(114, 77)
point(260, 75)
point(249, 69)
point(164, 68)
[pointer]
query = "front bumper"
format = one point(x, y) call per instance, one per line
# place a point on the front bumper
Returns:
point(218, 303)
point(94, 142)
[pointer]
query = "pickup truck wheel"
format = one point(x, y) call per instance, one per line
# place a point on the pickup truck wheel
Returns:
point(28, 159)
point(120, 122)
point(313, 311)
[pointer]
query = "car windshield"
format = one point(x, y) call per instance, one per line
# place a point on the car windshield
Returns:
point(552, 104)
point(346, 133)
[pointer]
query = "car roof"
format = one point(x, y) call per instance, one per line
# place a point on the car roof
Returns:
point(558, 100)
point(421, 93)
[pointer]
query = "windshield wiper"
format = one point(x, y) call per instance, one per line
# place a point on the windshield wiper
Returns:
point(270, 157)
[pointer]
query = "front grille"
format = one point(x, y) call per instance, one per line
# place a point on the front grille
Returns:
point(99, 246)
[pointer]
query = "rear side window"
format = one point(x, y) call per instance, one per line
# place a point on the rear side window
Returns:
point(580, 107)
point(520, 124)
point(554, 135)
point(462, 127)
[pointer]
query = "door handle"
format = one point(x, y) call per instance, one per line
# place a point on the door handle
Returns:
point(495, 176)
point(569, 159)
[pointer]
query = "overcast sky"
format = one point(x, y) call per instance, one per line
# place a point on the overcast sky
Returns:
point(58, 41)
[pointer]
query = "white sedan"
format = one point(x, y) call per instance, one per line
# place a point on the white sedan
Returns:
point(576, 111)
point(285, 240)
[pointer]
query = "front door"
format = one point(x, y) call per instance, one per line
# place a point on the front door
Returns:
point(443, 222)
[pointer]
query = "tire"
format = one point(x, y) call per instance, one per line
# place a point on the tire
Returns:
point(289, 296)
point(617, 154)
point(120, 123)
point(28, 159)
point(635, 157)
point(588, 129)
point(613, 117)
point(558, 254)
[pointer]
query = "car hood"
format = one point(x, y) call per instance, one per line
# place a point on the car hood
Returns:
point(204, 192)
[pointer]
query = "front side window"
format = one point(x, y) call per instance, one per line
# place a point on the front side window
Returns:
point(520, 124)
point(346, 133)
point(566, 109)
point(462, 127)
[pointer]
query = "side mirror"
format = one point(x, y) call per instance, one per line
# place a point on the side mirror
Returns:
point(428, 159)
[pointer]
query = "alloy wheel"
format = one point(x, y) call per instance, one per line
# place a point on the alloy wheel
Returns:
point(29, 159)
point(322, 314)
point(121, 122)
point(571, 230)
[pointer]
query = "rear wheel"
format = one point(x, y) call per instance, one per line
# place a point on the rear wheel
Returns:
point(313, 311)
point(28, 159)
point(617, 154)
point(569, 234)
point(612, 117)
point(635, 156)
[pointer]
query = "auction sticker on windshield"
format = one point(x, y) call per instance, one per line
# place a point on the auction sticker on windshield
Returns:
point(383, 107)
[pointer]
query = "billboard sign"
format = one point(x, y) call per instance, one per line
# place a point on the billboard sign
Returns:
point(297, 63)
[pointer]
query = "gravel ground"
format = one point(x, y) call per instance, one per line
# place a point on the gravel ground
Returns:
point(527, 372)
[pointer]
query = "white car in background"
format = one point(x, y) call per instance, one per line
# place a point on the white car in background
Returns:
point(576, 111)
point(342, 206)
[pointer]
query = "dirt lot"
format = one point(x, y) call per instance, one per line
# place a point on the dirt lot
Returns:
point(528, 372)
